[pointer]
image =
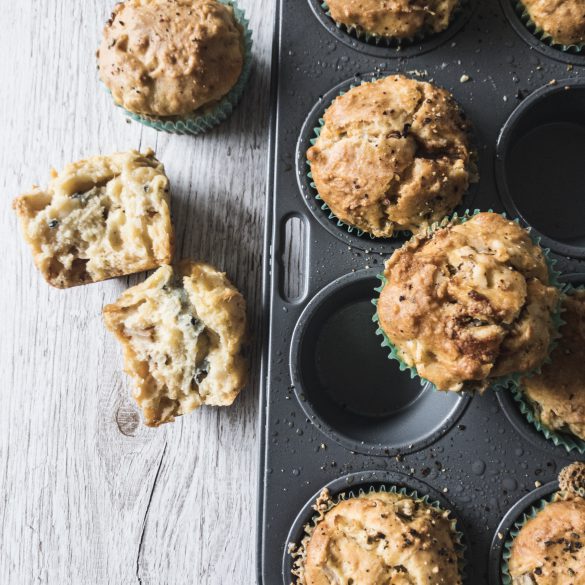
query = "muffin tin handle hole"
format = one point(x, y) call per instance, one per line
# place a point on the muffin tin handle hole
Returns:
point(293, 258)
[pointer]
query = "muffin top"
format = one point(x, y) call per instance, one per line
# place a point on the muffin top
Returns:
point(550, 547)
point(400, 19)
point(381, 538)
point(470, 302)
point(170, 57)
point(563, 20)
point(558, 392)
point(393, 154)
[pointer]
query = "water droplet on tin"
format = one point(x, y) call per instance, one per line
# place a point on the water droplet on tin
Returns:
point(478, 467)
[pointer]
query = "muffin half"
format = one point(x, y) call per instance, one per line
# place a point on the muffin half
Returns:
point(378, 537)
point(99, 218)
point(393, 154)
point(398, 19)
point(561, 20)
point(183, 334)
point(469, 303)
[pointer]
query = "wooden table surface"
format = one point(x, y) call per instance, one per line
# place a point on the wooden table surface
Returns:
point(88, 494)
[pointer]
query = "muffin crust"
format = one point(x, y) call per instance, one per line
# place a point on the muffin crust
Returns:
point(469, 303)
point(563, 20)
point(393, 154)
point(99, 218)
point(381, 538)
point(183, 335)
point(558, 392)
point(170, 57)
point(400, 19)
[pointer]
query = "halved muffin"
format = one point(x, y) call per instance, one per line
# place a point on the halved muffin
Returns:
point(393, 154)
point(99, 218)
point(183, 334)
point(469, 303)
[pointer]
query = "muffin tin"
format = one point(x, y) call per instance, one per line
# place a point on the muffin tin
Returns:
point(334, 407)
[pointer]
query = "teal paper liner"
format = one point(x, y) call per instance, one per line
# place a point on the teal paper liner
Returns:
point(543, 36)
point(460, 547)
point(389, 41)
point(496, 384)
point(559, 438)
point(397, 234)
point(195, 124)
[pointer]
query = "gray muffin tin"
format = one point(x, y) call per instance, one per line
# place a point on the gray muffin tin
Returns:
point(334, 408)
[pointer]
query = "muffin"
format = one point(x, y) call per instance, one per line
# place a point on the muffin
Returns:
point(393, 154)
point(561, 20)
point(398, 19)
point(557, 394)
point(172, 59)
point(550, 547)
point(99, 218)
point(379, 537)
point(469, 302)
point(183, 334)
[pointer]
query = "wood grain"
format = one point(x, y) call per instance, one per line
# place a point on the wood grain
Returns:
point(88, 494)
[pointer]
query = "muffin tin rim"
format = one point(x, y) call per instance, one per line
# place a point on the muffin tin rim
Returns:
point(311, 308)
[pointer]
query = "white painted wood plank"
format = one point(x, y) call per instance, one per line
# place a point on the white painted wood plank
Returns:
point(88, 494)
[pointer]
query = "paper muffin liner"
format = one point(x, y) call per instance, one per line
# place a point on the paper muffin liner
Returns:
point(397, 234)
point(543, 36)
point(500, 383)
point(323, 506)
point(389, 41)
point(199, 123)
point(559, 438)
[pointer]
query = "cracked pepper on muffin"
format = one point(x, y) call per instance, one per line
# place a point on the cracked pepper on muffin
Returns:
point(469, 302)
point(550, 547)
point(558, 392)
point(164, 58)
point(399, 19)
point(376, 538)
point(393, 154)
point(562, 20)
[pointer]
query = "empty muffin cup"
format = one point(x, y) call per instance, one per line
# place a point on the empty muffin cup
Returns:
point(348, 388)
point(364, 484)
point(539, 165)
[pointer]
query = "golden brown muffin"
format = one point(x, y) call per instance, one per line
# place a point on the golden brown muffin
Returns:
point(393, 154)
point(170, 57)
point(400, 19)
point(562, 20)
point(183, 336)
point(379, 538)
point(550, 547)
point(470, 302)
point(558, 392)
point(99, 218)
